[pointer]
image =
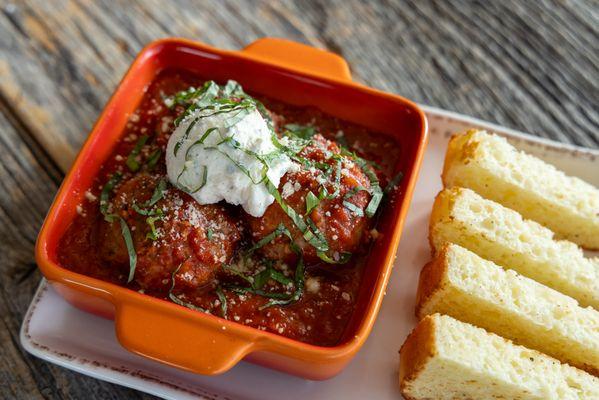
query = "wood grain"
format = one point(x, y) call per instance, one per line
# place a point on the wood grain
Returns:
point(529, 65)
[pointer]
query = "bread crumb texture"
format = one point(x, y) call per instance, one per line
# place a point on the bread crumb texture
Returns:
point(463, 285)
point(456, 360)
point(501, 235)
point(492, 167)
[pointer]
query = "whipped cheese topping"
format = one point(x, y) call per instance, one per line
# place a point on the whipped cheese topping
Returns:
point(210, 155)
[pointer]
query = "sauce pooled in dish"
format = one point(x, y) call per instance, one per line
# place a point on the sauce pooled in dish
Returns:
point(239, 206)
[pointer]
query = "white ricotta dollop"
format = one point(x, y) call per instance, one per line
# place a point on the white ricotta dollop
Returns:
point(222, 162)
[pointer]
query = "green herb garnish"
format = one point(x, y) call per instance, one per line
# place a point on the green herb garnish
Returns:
point(233, 88)
point(223, 301)
point(353, 208)
point(105, 195)
point(185, 136)
point(344, 257)
point(177, 300)
point(204, 136)
point(195, 98)
point(297, 220)
point(141, 211)
point(261, 278)
point(279, 230)
point(305, 132)
point(258, 281)
point(158, 193)
point(353, 191)
point(396, 180)
point(375, 190)
point(153, 234)
point(373, 205)
point(153, 159)
point(232, 270)
point(132, 162)
point(268, 273)
point(200, 185)
point(299, 278)
point(311, 202)
point(126, 232)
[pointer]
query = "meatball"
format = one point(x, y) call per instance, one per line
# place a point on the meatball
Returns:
point(340, 223)
point(192, 239)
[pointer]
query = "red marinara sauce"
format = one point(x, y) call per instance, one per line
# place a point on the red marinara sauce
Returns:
point(319, 317)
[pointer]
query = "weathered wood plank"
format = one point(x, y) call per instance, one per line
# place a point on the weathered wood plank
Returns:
point(527, 65)
point(28, 181)
point(530, 65)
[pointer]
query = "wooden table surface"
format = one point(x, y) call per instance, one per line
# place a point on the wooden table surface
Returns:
point(529, 65)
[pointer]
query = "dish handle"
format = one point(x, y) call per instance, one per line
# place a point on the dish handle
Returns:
point(161, 334)
point(301, 57)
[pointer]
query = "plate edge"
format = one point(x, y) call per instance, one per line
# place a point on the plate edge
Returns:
point(33, 348)
point(87, 367)
point(580, 150)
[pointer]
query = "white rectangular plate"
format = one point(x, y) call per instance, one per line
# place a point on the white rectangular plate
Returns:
point(61, 334)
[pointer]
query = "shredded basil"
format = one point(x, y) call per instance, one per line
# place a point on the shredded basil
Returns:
point(299, 278)
point(297, 220)
point(268, 273)
point(223, 301)
point(243, 168)
point(204, 179)
point(142, 211)
point(324, 194)
point(105, 195)
point(259, 292)
point(258, 281)
point(185, 136)
point(190, 127)
point(220, 110)
point(268, 238)
point(396, 180)
point(153, 234)
point(126, 232)
point(212, 99)
point(153, 159)
point(248, 279)
point(232, 88)
point(209, 234)
point(344, 257)
point(158, 193)
point(353, 191)
point(200, 185)
point(132, 162)
point(177, 300)
point(279, 277)
point(375, 200)
point(353, 208)
point(337, 180)
point(243, 112)
point(305, 132)
point(204, 136)
point(375, 190)
point(261, 279)
point(311, 202)
point(315, 229)
point(195, 98)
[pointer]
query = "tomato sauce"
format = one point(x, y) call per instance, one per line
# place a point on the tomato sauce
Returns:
point(321, 315)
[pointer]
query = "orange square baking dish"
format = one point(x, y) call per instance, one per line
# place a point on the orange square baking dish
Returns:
point(203, 343)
